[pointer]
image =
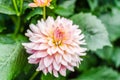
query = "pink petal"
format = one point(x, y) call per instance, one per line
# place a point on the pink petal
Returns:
point(50, 22)
point(48, 60)
point(40, 46)
point(63, 47)
point(63, 71)
point(34, 28)
point(68, 50)
point(45, 71)
point(63, 62)
point(41, 65)
point(33, 61)
point(43, 46)
point(70, 68)
point(49, 51)
point(60, 51)
point(40, 54)
point(38, 40)
point(73, 63)
point(54, 49)
point(67, 57)
point(81, 36)
point(56, 66)
point(55, 73)
point(29, 33)
point(42, 28)
point(58, 58)
point(50, 68)
point(28, 45)
point(33, 5)
point(75, 58)
point(50, 42)
point(30, 51)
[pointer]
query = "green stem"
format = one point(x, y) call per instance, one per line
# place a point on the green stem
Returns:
point(21, 5)
point(17, 26)
point(34, 75)
point(16, 8)
point(44, 12)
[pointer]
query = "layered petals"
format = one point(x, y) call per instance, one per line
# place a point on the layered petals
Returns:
point(56, 45)
point(40, 3)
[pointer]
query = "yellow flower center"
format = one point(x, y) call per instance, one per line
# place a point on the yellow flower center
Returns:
point(42, 3)
point(58, 36)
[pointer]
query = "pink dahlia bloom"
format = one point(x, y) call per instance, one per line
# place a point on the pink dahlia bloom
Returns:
point(40, 3)
point(55, 45)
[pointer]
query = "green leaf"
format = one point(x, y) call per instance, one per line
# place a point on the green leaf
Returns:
point(12, 60)
point(117, 2)
point(26, 4)
point(106, 53)
point(100, 73)
point(112, 23)
point(88, 61)
point(51, 77)
point(6, 39)
point(93, 4)
point(66, 8)
point(110, 54)
point(34, 12)
point(95, 32)
point(116, 57)
point(6, 7)
point(2, 28)
point(52, 4)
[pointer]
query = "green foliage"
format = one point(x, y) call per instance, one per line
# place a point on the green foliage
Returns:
point(12, 60)
point(6, 39)
point(6, 7)
point(100, 73)
point(116, 57)
point(88, 62)
point(110, 54)
point(95, 32)
point(93, 4)
point(112, 23)
point(37, 11)
point(117, 2)
point(105, 53)
point(66, 8)
point(2, 28)
point(51, 77)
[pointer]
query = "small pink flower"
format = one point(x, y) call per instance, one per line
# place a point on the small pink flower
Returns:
point(40, 3)
point(55, 45)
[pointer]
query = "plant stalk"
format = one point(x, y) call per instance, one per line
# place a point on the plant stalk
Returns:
point(44, 12)
point(34, 75)
point(17, 26)
point(16, 8)
point(21, 6)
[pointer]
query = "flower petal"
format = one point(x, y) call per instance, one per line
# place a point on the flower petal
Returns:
point(33, 5)
point(34, 28)
point(58, 58)
point(55, 73)
point(56, 66)
point(41, 65)
point(45, 71)
point(67, 57)
point(63, 71)
point(50, 68)
point(48, 61)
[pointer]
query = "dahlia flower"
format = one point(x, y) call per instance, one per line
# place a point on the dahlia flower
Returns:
point(40, 3)
point(55, 45)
